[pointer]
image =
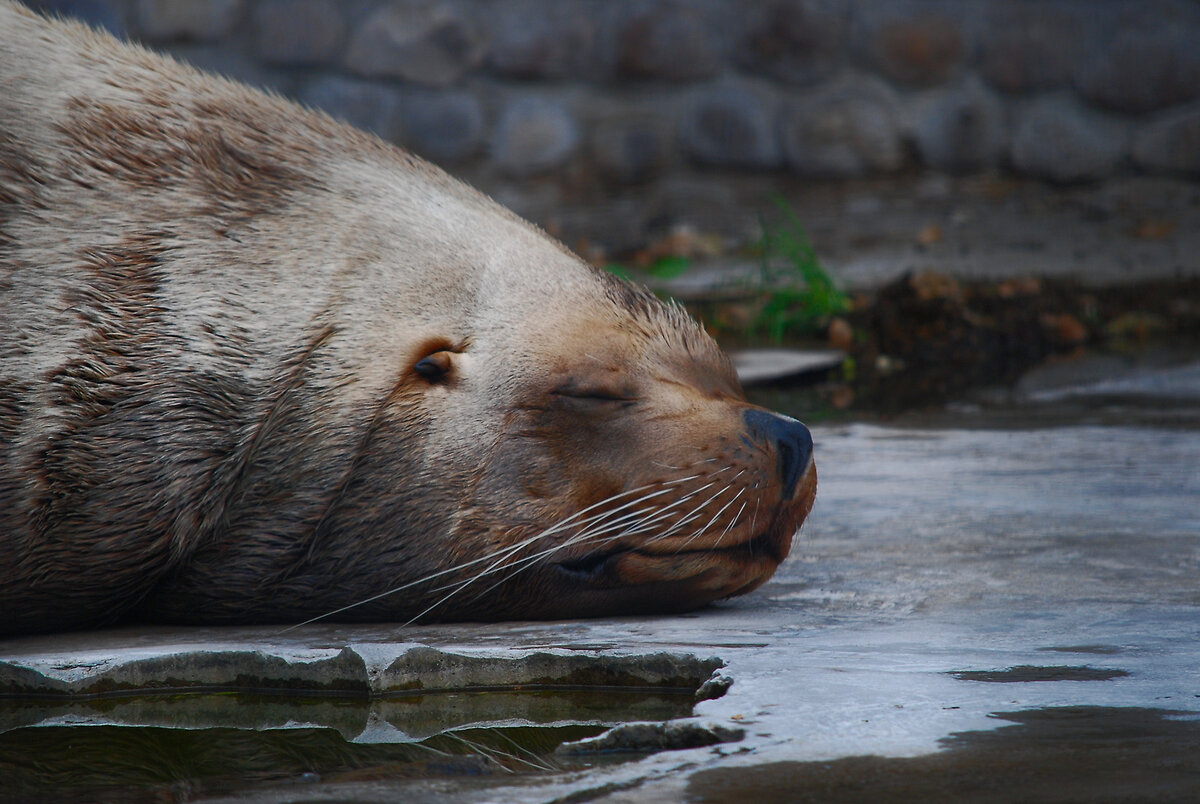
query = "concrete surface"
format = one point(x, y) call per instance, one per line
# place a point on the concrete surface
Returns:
point(950, 581)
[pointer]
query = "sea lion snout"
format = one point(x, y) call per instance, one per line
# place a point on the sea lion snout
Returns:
point(792, 442)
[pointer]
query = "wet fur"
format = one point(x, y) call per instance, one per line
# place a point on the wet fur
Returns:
point(211, 306)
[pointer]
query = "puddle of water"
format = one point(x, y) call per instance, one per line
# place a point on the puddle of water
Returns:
point(205, 744)
point(1074, 753)
point(1028, 672)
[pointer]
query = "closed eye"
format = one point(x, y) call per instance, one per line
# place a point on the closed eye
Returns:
point(596, 395)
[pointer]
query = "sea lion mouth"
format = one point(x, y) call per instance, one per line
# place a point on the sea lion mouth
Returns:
point(690, 574)
point(709, 573)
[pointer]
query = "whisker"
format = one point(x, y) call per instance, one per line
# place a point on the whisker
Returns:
point(459, 567)
point(732, 522)
point(715, 517)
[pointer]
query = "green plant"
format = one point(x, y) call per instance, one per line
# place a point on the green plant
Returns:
point(799, 294)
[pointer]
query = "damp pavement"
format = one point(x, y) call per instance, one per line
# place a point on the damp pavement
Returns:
point(985, 605)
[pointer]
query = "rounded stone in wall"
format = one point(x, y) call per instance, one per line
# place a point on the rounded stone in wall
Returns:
point(728, 126)
point(443, 127)
point(631, 150)
point(1034, 45)
point(1143, 69)
point(163, 20)
point(299, 32)
point(534, 135)
point(1059, 139)
point(364, 104)
point(797, 41)
point(848, 129)
point(919, 42)
point(532, 40)
point(960, 129)
point(669, 41)
point(434, 46)
point(1171, 143)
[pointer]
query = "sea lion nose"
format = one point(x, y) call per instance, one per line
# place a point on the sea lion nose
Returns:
point(793, 443)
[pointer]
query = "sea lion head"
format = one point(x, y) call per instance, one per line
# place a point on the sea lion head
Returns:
point(630, 473)
point(584, 449)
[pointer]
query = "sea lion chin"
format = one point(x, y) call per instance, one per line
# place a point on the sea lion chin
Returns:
point(259, 367)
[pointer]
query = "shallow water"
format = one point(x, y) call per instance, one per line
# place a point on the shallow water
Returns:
point(997, 602)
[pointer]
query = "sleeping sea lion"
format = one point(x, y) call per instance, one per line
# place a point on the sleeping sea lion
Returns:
point(257, 366)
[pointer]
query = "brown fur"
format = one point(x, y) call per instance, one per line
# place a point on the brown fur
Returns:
point(256, 366)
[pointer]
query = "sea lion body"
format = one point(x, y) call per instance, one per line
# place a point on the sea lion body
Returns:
point(257, 366)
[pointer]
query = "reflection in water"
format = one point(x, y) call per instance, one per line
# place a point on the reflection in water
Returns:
point(198, 751)
point(88, 763)
point(1060, 754)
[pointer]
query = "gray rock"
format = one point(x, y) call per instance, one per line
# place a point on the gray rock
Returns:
point(161, 20)
point(667, 41)
point(960, 129)
point(435, 47)
point(848, 129)
point(631, 150)
point(1031, 44)
point(1059, 139)
point(1171, 143)
point(532, 40)
point(442, 126)
point(534, 135)
point(105, 14)
point(1143, 68)
point(797, 41)
point(299, 32)
point(728, 126)
point(365, 104)
point(918, 42)
point(762, 366)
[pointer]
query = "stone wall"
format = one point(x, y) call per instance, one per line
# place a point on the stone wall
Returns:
point(617, 118)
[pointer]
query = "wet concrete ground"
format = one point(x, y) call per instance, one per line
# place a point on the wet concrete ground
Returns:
point(985, 605)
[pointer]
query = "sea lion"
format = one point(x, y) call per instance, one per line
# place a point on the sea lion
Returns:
point(257, 366)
